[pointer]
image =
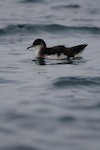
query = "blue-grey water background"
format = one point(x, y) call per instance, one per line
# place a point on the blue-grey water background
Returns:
point(54, 106)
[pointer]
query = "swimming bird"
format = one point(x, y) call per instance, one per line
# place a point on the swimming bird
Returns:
point(60, 51)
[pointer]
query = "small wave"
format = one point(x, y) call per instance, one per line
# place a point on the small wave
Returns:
point(73, 6)
point(67, 119)
point(70, 6)
point(76, 81)
point(90, 107)
point(30, 28)
point(8, 81)
point(31, 1)
point(12, 115)
point(5, 130)
point(20, 147)
point(4, 81)
point(50, 28)
point(13, 29)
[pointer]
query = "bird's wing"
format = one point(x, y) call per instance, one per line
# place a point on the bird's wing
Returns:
point(56, 50)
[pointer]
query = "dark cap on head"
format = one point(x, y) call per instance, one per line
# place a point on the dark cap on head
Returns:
point(38, 42)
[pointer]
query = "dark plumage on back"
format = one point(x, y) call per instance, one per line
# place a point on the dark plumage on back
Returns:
point(55, 50)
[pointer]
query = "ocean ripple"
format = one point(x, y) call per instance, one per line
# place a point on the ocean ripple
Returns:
point(7, 81)
point(67, 119)
point(50, 28)
point(70, 6)
point(20, 147)
point(76, 81)
point(31, 1)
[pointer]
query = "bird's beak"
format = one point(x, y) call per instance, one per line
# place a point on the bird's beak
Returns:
point(30, 47)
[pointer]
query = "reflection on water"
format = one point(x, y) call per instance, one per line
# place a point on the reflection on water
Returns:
point(39, 61)
point(42, 61)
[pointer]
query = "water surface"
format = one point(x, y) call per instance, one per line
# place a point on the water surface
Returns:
point(57, 105)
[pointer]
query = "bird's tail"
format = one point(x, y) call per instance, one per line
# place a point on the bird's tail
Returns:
point(77, 50)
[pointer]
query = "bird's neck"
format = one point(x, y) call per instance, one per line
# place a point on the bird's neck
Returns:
point(39, 50)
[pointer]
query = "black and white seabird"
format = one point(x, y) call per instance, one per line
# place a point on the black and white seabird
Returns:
point(59, 51)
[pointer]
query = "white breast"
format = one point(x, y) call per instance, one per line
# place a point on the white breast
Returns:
point(38, 48)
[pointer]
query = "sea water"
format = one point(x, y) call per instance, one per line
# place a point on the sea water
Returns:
point(55, 106)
